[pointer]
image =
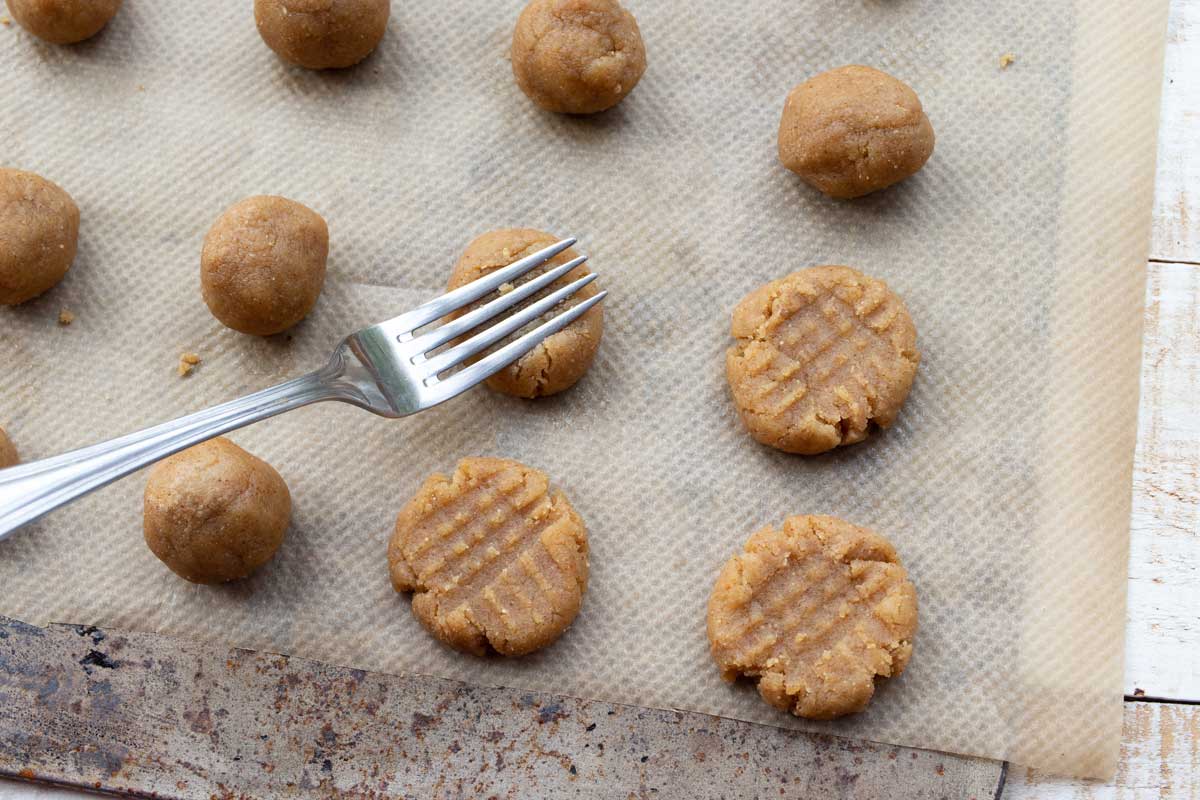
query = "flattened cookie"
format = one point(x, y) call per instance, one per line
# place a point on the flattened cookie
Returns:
point(821, 355)
point(563, 358)
point(495, 558)
point(814, 610)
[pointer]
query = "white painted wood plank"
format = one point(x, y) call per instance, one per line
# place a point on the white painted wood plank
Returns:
point(1162, 630)
point(1176, 231)
point(1160, 758)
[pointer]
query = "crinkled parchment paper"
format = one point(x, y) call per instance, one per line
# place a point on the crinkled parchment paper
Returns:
point(1019, 248)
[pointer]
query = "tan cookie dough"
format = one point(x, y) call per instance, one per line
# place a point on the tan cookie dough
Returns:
point(322, 34)
point(496, 559)
point(814, 610)
point(215, 513)
point(39, 231)
point(820, 357)
point(63, 21)
point(563, 358)
point(854, 130)
point(577, 56)
point(263, 264)
point(8, 451)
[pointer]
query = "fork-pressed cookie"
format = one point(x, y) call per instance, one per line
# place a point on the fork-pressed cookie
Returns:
point(563, 357)
point(821, 355)
point(814, 609)
point(495, 558)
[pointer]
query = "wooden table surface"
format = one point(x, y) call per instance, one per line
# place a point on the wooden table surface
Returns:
point(1160, 753)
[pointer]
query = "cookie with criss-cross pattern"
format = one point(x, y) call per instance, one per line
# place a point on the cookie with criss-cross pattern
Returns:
point(814, 610)
point(821, 356)
point(495, 558)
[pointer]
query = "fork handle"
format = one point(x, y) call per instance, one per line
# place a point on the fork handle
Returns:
point(30, 490)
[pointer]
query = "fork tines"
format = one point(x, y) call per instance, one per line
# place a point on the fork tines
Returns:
point(419, 348)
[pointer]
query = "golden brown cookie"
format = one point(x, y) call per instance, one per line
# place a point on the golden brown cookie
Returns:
point(577, 56)
point(854, 130)
point(263, 264)
point(8, 451)
point(562, 358)
point(814, 610)
point(821, 356)
point(214, 512)
point(495, 558)
point(63, 21)
point(322, 34)
point(39, 231)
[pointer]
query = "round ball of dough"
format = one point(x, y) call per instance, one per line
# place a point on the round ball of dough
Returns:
point(496, 559)
point(63, 21)
point(215, 513)
point(854, 130)
point(8, 452)
point(263, 264)
point(577, 56)
point(813, 610)
point(821, 356)
point(322, 34)
point(39, 231)
point(562, 358)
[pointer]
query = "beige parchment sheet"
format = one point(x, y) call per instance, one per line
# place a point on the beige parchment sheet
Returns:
point(1020, 250)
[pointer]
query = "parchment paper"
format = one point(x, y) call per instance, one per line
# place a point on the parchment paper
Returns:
point(1020, 251)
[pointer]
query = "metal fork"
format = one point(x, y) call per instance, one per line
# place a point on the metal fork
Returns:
point(388, 368)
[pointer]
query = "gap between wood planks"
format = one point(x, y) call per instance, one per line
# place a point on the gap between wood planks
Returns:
point(1142, 698)
point(1173, 261)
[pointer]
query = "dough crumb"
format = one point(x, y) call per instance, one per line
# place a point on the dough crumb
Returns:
point(187, 363)
point(5, 21)
point(505, 288)
point(1006, 60)
point(65, 317)
point(141, 88)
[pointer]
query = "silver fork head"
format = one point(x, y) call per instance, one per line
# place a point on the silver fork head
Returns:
point(392, 369)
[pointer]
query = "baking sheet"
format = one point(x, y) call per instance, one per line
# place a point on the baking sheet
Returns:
point(1019, 249)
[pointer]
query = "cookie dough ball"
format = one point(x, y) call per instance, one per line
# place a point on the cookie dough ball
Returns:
point(215, 513)
point(63, 21)
point(263, 264)
point(821, 356)
point(854, 130)
point(577, 56)
point(8, 452)
point(39, 231)
point(561, 359)
point(495, 558)
point(814, 610)
point(322, 34)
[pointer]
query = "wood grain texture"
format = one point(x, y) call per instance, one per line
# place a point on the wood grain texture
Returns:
point(155, 716)
point(1176, 232)
point(1160, 758)
point(1163, 629)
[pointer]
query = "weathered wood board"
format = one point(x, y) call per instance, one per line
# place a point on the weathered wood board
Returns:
point(1160, 758)
point(1163, 628)
point(160, 717)
point(1176, 232)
